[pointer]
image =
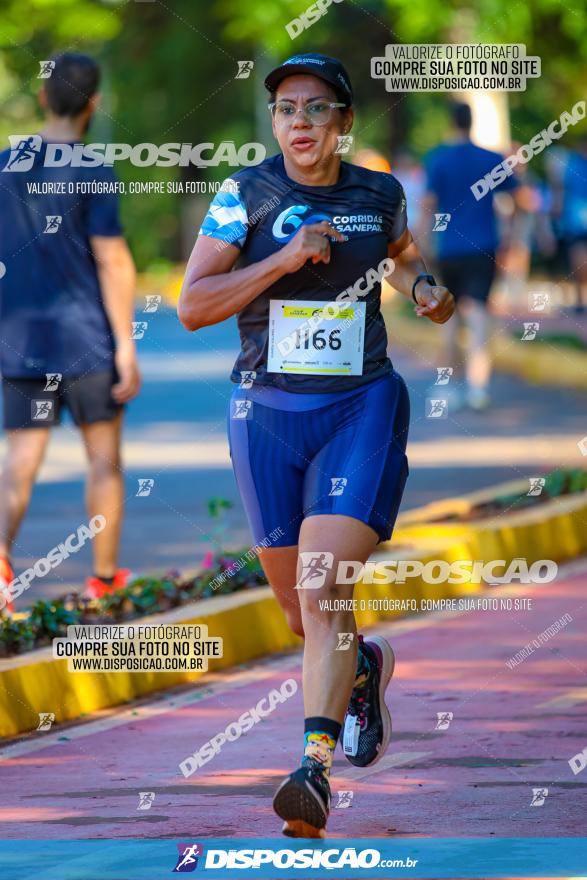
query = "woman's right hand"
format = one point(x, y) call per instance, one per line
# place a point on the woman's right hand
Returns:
point(311, 241)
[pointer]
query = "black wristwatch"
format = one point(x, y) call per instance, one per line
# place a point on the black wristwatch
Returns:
point(423, 277)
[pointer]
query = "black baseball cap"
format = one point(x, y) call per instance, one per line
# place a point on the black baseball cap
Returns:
point(323, 66)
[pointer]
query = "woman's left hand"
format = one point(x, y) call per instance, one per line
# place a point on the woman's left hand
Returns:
point(436, 303)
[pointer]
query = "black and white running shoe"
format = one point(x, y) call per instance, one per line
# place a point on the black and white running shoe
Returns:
point(303, 800)
point(367, 725)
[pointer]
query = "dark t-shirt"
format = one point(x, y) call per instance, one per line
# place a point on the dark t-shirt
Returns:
point(366, 206)
point(52, 318)
point(451, 170)
point(573, 221)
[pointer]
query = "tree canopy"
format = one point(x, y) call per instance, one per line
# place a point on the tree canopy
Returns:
point(169, 71)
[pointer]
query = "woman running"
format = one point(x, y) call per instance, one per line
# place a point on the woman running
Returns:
point(296, 247)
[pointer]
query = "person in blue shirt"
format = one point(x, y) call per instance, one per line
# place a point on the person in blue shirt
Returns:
point(297, 247)
point(66, 307)
point(466, 244)
point(570, 190)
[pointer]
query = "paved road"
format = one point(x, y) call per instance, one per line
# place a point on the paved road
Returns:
point(512, 730)
point(176, 435)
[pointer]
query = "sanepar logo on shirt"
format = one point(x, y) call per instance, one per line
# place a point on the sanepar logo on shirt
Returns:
point(25, 148)
point(289, 221)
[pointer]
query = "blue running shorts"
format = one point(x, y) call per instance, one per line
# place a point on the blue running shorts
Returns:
point(298, 455)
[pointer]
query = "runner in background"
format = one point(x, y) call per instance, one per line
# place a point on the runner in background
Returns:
point(520, 229)
point(410, 174)
point(66, 307)
point(568, 177)
point(464, 230)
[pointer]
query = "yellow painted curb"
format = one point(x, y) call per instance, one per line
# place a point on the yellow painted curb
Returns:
point(252, 624)
point(555, 529)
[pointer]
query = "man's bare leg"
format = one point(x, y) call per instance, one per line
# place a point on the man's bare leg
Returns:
point(105, 490)
point(25, 453)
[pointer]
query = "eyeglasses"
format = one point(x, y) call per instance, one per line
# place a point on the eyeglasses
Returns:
point(314, 112)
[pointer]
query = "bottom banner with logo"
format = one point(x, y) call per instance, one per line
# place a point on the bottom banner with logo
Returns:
point(280, 858)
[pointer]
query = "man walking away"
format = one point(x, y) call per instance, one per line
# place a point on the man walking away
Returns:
point(66, 307)
point(467, 244)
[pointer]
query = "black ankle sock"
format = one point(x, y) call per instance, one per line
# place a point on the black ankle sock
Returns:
point(109, 580)
point(328, 725)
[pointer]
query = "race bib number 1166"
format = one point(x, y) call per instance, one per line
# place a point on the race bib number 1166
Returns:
point(318, 338)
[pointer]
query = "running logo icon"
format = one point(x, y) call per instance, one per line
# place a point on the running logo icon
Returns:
point(42, 410)
point(145, 486)
point(443, 720)
point(539, 795)
point(53, 222)
point(314, 569)
point(46, 69)
point(187, 860)
point(538, 301)
point(444, 374)
point(345, 800)
point(441, 222)
point(338, 485)
point(138, 329)
point(245, 68)
point(536, 486)
point(437, 408)
point(23, 151)
point(242, 409)
point(146, 799)
point(345, 641)
point(46, 719)
point(247, 378)
point(530, 331)
point(344, 144)
point(53, 380)
point(152, 302)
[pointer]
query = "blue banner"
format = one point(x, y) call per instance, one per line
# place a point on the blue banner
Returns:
point(283, 858)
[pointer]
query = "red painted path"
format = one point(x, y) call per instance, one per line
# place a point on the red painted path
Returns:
point(512, 730)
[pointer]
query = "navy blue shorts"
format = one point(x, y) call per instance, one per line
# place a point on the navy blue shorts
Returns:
point(469, 275)
point(35, 403)
point(299, 455)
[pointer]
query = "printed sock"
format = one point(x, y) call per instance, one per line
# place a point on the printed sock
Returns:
point(320, 738)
